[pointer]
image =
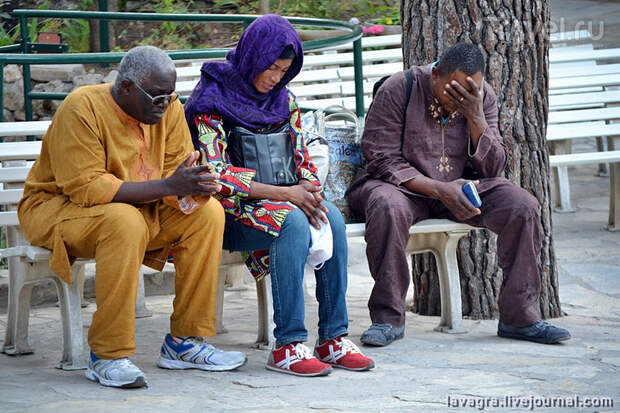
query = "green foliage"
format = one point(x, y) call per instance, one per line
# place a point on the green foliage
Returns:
point(172, 6)
point(240, 6)
point(76, 33)
point(176, 35)
point(389, 15)
point(13, 36)
point(6, 38)
point(382, 12)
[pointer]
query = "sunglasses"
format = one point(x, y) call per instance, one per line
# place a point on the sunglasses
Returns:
point(158, 100)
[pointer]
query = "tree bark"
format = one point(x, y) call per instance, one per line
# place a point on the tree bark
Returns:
point(513, 37)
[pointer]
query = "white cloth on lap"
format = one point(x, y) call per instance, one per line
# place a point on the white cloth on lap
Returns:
point(322, 245)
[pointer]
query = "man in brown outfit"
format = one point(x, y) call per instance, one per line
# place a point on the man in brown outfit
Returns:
point(450, 131)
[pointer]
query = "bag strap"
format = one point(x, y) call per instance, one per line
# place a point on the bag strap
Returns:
point(409, 87)
point(339, 113)
point(409, 80)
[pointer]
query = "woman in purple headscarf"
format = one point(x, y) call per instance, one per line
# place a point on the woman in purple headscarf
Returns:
point(272, 223)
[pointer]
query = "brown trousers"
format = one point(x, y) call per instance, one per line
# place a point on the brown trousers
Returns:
point(509, 211)
point(118, 241)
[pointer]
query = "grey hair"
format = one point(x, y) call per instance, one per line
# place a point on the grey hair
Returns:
point(138, 64)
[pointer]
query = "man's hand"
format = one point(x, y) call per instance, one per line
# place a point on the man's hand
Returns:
point(307, 197)
point(466, 102)
point(452, 196)
point(193, 180)
point(470, 105)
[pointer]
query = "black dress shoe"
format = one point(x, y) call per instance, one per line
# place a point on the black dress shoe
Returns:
point(539, 332)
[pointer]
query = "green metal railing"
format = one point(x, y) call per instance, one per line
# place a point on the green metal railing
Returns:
point(25, 59)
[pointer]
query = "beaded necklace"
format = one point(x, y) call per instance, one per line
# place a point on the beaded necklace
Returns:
point(435, 109)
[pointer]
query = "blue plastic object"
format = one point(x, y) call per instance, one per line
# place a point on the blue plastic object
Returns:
point(472, 194)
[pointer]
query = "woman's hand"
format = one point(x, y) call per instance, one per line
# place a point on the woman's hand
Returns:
point(307, 197)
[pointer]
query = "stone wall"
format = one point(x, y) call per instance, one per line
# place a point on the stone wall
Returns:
point(45, 78)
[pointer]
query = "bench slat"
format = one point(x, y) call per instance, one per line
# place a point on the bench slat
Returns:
point(30, 252)
point(19, 150)
point(8, 218)
point(585, 81)
point(584, 158)
point(584, 115)
point(558, 55)
point(347, 102)
point(573, 130)
point(423, 227)
point(558, 72)
point(13, 174)
point(34, 128)
point(10, 196)
point(584, 98)
point(332, 88)
point(347, 58)
point(375, 41)
point(347, 73)
point(575, 90)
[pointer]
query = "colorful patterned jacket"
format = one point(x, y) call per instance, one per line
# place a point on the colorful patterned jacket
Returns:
point(263, 214)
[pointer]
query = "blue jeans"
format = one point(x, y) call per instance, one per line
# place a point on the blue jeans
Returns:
point(287, 258)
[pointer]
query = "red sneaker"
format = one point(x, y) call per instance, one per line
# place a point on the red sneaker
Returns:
point(342, 352)
point(296, 358)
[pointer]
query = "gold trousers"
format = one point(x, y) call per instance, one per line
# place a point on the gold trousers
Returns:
point(119, 239)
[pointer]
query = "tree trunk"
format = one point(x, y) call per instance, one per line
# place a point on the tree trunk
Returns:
point(513, 37)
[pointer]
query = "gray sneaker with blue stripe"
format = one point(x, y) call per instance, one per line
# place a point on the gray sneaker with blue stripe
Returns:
point(115, 373)
point(181, 353)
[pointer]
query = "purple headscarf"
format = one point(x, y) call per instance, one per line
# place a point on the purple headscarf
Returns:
point(226, 88)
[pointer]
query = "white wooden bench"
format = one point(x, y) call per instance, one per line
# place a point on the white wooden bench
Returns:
point(579, 90)
point(611, 157)
point(29, 264)
point(560, 137)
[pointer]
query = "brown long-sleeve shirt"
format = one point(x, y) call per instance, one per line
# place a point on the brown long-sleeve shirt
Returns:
point(395, 160)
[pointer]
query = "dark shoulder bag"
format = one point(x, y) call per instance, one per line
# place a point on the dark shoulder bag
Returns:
point(269, 153)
